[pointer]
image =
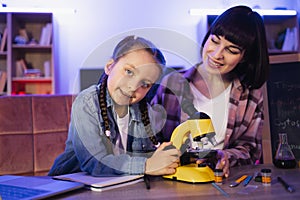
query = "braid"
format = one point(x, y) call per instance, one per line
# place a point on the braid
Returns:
point(146, 120)
point(102, 101)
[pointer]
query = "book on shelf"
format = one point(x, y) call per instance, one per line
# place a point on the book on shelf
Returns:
point(47, 68)
point(32, 73)
point(3, 77)
point(46, 34)
point(21, 67)
point(102, 183)
point(3, 40)
point(290, 42)
point(25, 69)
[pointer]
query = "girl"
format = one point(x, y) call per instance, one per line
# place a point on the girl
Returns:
point(110, 130)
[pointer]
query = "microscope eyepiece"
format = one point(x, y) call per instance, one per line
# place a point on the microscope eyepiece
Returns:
point(189, 108)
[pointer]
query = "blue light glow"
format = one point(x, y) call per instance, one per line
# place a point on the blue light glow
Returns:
point(260, 11)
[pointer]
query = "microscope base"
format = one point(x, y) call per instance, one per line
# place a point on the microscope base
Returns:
point(193, 174)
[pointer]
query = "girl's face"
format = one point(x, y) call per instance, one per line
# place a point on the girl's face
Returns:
point(131, 77)
point(220, 56)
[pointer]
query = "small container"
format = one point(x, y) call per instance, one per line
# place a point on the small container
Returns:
point(266, 177)
point(284, 157)
point(218, 176)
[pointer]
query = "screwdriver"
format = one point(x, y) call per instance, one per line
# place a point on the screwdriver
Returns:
point(238, 181)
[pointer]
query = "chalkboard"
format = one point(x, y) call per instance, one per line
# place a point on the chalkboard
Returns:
point(283, 89)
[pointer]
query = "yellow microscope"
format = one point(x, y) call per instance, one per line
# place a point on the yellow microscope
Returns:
point(187, 137)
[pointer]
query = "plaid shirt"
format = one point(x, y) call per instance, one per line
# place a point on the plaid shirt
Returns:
point(243, 136)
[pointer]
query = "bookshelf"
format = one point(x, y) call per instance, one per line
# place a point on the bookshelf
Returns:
point(28, 56)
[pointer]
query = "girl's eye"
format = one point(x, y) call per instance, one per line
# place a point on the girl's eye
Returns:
point(129, 72)
point(146, 85)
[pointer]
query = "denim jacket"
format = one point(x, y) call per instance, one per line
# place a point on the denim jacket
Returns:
point(88, 149)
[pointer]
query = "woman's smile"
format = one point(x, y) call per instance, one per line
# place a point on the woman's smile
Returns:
point(214, 64)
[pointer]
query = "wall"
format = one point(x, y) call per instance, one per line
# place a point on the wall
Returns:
point(86, 31)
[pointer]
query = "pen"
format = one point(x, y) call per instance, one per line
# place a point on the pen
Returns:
point(247, 180)
point(238, 181)
point(147, 181)
point(286, 185)
point(220, 190)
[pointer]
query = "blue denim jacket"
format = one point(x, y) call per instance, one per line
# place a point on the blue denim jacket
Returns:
point(89, 149)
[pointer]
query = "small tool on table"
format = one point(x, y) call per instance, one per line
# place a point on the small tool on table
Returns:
point(288, 187)
point(247, 180)
point(220, 189)
point(238, 181)
point(147, 181)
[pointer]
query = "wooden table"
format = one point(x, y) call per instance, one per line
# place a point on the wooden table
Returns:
point(167, 189)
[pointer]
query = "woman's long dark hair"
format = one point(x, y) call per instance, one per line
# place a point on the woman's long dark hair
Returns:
point(245, 28)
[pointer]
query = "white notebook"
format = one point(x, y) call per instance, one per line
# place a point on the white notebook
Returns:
point(101, 183)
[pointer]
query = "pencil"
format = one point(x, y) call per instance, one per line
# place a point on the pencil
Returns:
point(147, 181)
point(285, 185)
point(220, 190)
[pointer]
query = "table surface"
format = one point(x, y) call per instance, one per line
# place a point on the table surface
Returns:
point(168, 189)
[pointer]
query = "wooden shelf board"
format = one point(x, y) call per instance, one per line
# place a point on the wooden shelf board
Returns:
point(32, 80)
point(284, 58)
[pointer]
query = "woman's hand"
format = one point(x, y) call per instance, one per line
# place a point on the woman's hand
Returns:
point(223, 162)
point(163, 162)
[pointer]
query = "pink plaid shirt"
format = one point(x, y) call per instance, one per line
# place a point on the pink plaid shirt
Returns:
point(243, 136)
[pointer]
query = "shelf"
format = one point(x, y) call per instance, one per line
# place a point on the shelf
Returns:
point(29, 45)
point(284, 58)
point(32, 48)
point(3, 53)
point(35, 85)
point(32, 80)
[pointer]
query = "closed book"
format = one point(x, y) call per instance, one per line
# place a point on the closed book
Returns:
point(101, 183)
point(3, 77)
point(3, 40)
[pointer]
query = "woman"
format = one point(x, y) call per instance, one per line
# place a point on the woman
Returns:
point(226, 85)
point(110, 130)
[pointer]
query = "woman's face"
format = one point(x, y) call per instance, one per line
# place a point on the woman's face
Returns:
point(220, 56)
point(131, 76)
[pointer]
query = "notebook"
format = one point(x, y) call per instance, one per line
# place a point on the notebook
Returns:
point(102, 183)
point(29, 187)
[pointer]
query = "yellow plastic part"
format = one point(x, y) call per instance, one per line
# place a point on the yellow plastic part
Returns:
point(195, 127)
point(193, 174)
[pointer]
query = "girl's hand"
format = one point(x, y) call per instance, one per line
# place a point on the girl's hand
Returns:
point(163, 162)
